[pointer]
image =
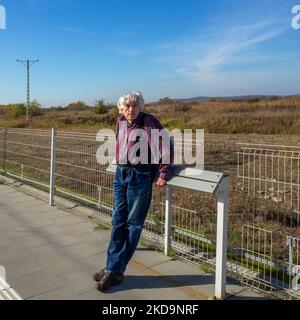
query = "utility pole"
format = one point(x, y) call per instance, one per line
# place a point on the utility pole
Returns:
point(28, 63)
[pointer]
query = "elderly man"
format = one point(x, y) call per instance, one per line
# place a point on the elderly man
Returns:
point(133, 182)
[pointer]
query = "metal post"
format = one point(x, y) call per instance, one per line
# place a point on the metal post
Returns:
point(168, 219)
point(291, 243)
point(28, 91)
point(28, 63)
point(221, 258)
point(52, 167)
point(4, 150)
point(99, 196)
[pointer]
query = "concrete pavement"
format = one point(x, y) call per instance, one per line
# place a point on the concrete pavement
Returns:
point(50, 253)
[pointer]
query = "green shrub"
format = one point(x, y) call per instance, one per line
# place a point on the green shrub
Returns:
point(100, 107)
point(77, 106)
point(165, 100)
point(15, 111)
point(35, 109)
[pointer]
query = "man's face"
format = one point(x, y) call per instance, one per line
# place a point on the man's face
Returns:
point(131, 111)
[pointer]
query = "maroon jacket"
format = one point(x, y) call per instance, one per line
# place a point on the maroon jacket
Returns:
point(146, 122)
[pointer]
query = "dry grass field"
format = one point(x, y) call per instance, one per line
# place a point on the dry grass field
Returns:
point(256, 116)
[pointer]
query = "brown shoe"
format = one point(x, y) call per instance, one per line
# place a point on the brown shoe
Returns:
point(98, 275)
point(110, 279)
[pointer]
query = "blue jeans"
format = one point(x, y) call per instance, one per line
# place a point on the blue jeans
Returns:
point(132, 197)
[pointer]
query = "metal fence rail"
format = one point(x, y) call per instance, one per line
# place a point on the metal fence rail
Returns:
point(263, 206)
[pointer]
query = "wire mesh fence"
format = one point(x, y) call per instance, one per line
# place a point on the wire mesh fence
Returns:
point(263, 230)
point(271, 172)
point(268, 177)
point(77, 173)
point(26, 154)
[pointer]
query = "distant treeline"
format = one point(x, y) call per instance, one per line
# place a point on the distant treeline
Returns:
point(17, 110)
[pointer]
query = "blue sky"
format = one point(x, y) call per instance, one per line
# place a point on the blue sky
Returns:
point(184, 48)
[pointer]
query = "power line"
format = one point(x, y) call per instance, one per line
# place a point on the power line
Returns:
point(28, 63)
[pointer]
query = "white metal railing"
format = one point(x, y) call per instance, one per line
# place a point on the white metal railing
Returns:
point(7, 292)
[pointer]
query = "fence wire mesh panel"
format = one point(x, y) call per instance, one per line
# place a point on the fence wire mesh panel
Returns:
point(292, 267)
point(269, 267)
point(3, 133)
point(78, 175)
point(268, 180)
point(154, 227)
point(26, 155)
point(193, 231)
point(263, 229)
point(271, 172)
point(257, 254)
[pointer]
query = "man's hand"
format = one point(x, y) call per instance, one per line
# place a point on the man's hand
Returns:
point(161, 182)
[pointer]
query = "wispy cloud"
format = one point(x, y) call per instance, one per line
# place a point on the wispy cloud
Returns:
point(74, 30)
point(129, 53)
point(238, 42)
point(68, 29)
point(203, 60)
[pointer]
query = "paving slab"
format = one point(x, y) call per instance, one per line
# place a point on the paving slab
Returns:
point(79, 281)
point(68, 220)
point(34, 284)
point(60, 293)
point(150, 257)
point(64, 239)
point(10, 253)
point(9, 224)
point(4, 216)
point(50, 230)
point(28, 241)
point(97, 261)
point(43, 253)
point(4, 241)
point(20, 266)
point(86, 248)
point(62, 265)
point(79, 228)
point(19, 231)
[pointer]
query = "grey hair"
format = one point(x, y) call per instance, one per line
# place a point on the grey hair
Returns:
point(132, 97)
